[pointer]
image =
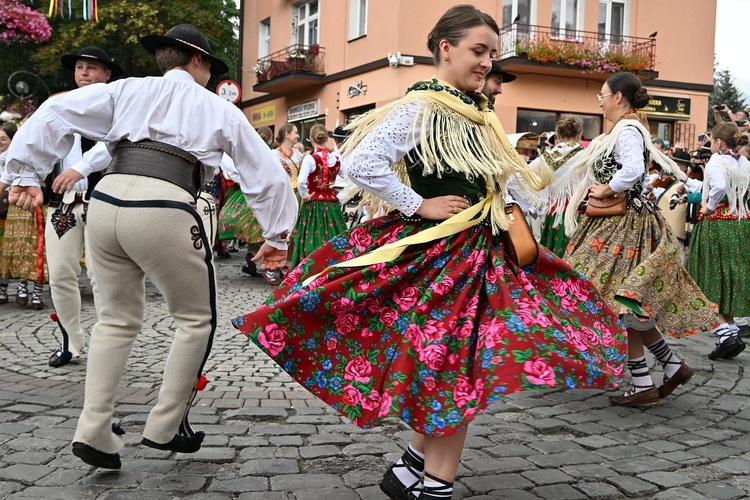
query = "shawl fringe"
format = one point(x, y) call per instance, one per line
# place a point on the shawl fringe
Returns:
point(738, 181)
point(455, 135)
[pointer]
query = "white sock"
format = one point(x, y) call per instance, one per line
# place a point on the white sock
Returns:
point(410, 468)
point(639, 371)
point(724, 332)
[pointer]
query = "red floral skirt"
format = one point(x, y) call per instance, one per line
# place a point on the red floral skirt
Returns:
point(435, 335)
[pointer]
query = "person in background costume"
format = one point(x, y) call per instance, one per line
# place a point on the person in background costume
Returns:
point(22, 250)
point(718, 259)
point(72, 181)
point(425, 328)
point(146, 199)
point(320, 216)
point(561, 158)
point(633, 258)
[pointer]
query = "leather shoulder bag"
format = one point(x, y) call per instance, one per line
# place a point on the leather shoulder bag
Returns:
point(607, 207)
point(518, 240)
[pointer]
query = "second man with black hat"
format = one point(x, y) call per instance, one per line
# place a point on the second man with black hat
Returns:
point(71, 182)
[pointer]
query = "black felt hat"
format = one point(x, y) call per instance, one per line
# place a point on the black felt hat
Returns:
point(185, 36)
point(496, 69)
point(95, 54)
point(340, 133)
point(682, 156)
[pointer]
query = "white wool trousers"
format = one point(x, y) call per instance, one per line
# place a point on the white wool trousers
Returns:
point(65, 241)
point(140, 226)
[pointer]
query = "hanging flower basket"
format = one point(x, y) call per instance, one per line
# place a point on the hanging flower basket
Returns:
point(19, 23)
point(603, 59)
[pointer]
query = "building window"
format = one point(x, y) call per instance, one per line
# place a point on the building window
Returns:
point(351, 114)
point(541, 122)
point(566, 18)
point(357, 18)
point(264, 38)
point(613, 20)
point(307, 16)
point(524, 10)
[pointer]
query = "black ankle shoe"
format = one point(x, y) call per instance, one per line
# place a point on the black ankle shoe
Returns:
point(178, 444)
point(97, 458)
point(728, 349)
point(395, 489)
point(60, 358)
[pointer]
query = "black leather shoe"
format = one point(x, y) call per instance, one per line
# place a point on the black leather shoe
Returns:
point(728, 349)
point(743, 333)
point(60, 358)
point(395, 489)
point(223, 255)
point(95, 457)
point(179, 444)
point(22, 300)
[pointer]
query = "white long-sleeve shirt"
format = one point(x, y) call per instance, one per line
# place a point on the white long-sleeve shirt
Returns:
point(173, 109)
point(629, 151)
point(95, 159)
point(369, 164)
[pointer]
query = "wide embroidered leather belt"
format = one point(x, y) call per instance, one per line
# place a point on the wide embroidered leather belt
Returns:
point(158, 160)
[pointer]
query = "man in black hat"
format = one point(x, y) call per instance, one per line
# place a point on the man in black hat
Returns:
point(493, 82)
point(70, 184)
point(165, 134)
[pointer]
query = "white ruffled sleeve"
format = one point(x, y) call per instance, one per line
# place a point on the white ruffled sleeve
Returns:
point(629, 151)
point(307, 167)
point(369, 164)
point(717, 182)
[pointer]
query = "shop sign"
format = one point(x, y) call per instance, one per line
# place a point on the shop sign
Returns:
point(669, 107)
point(304, 110)
point(266, 114)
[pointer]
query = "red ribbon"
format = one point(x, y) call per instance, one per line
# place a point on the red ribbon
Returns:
point(40, 245)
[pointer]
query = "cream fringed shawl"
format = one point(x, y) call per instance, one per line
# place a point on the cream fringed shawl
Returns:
point(580, 179)
point(737, 174)
point(459, 134)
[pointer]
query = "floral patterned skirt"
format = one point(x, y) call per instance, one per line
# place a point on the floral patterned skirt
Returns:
point(634, 261)
point(438, 333)
point(318, 222)
point(234, 207)
point(20, 252)
point(719, 262)
point(553, 236)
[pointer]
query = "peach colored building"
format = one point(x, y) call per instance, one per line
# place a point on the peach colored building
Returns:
point(325, 61)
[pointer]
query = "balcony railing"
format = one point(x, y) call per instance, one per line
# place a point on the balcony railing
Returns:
point(589, 51)
point(293, 59)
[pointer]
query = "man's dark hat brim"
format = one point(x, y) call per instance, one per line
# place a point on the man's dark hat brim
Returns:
point(188, 37)
point(95, 54)
point(497, 70)
point(681, 156)
point(340, 133)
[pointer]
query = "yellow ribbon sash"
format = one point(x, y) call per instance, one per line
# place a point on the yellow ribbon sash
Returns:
point(387, 253)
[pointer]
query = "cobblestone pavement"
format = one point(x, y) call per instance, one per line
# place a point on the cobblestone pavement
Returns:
point(268, 439)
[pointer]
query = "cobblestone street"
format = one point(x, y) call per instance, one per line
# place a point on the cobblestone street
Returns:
point(269, 439)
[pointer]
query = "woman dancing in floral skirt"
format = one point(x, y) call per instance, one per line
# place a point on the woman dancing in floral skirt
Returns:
point(433, 332)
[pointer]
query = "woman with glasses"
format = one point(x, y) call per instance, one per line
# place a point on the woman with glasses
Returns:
point(633, 258)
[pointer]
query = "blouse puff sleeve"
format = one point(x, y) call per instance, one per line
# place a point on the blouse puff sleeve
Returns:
point(307, 167)
point(717, 182)
point(629, 151)
point(369, 164)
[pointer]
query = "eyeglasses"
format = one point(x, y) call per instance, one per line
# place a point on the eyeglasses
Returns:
point(602, 96)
